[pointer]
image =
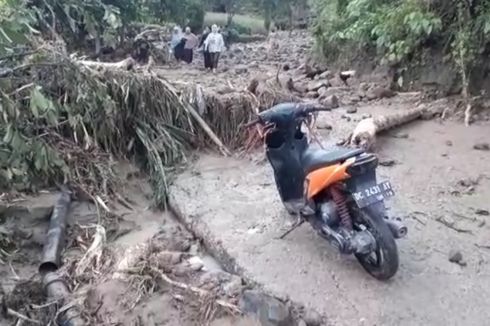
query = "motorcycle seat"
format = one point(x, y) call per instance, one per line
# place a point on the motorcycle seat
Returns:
point(314, 159)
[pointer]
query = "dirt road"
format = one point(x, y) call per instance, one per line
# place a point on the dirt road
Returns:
point(440, 180)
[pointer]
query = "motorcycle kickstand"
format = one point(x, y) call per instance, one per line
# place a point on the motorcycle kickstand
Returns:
point(296, 225)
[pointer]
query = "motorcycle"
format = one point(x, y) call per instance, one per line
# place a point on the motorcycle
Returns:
point(336, 191)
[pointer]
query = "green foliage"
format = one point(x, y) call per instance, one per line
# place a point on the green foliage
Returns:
point(394, 28)
point(16, 25)
point(26, 160)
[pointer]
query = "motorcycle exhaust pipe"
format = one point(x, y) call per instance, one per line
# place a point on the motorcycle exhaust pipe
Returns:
point(397, 228)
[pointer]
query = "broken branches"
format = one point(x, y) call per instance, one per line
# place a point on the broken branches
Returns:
point(451, 225)
point(194, 290)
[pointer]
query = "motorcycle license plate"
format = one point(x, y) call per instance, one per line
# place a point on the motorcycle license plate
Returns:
point(373, 194)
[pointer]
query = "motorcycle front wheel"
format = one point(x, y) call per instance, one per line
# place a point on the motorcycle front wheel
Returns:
point(382, 263)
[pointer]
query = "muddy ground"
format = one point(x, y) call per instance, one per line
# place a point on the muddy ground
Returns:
point(231, 205)
point(442, 184)
point(125, 285)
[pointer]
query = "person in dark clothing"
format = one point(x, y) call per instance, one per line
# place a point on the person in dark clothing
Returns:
point(179, 50)
point(207, 59)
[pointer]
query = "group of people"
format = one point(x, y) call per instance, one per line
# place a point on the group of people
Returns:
point(211, 44)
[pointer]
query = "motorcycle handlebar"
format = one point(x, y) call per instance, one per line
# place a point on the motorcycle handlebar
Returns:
point(303, 113)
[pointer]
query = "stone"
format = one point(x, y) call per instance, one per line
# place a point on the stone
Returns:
point(195, 263)
point(449, 143)
point(312, 94)
point(379, 93)
point(455, 256)
point(330, 102)
point(313, 318)
point(482, 147)
point(347, 118)
point(268, 310)
point(166, 258)
point(351, 110)
point(239, 70)
point(323, 91)
point(482, 212)
point(316, 85)
point(327, 74)
point(233, 287)
point(387, 163)
point(324, 126)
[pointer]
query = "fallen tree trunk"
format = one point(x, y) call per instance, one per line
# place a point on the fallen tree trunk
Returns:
point(364, 135)
point(126, 64)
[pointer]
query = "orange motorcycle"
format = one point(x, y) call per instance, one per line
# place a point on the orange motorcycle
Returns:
point(335, 191)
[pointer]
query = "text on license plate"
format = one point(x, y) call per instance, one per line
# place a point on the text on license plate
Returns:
point(373, 194)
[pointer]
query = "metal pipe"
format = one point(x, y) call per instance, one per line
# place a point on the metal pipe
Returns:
point(56, 289)
point(397, 228)
point(51, 259)
point(53, 284)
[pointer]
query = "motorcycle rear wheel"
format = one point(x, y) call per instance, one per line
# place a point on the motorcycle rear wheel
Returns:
point(383, 262)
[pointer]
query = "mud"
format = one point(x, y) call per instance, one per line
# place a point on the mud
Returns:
point(152, 241)
point(232, 208)
point(236, 201)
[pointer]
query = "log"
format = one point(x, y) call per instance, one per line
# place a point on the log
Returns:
point(126, 64)
point(364, 135)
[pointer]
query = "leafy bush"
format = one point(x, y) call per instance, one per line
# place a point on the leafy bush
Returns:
point(395, 29)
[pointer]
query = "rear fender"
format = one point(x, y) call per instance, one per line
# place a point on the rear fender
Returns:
point(318, 180)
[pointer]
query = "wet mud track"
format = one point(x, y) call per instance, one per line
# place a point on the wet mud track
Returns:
point(441, 186)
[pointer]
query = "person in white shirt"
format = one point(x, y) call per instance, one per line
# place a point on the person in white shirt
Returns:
point(214, 44)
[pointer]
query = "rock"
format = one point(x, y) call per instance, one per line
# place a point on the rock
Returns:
point(316, 85)
point(387, 163)
point(286, 67)
point(351, 110)
point(379, 93)
point(233, 287)
point(347, 118)
point(195, 263)
point(366, 116)
point(254, 64)
point(482, 147)
point(455, 256)
point(268, 310)
point(313, 318)
point(323, 92)
point(449, 143)
point(363, 87)
point(241, 70)
point(330, 102)
point(312, 94)
point(327, 74)
point(165, 259)
point(182, 269)
point(324, 126)
point(482, 212)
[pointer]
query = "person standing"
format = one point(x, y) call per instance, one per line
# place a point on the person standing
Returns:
point(215, 45)
point(190, 45)
point(176, 44)
point(205, 34)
